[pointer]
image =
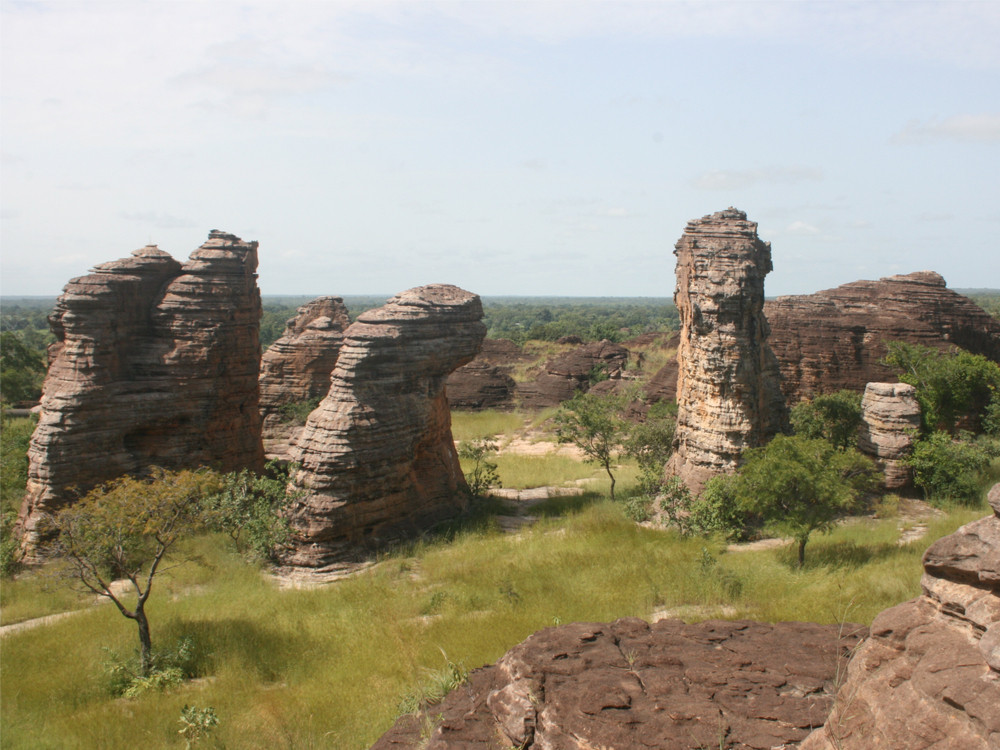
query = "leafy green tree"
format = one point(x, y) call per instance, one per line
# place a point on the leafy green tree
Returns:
point(249, 508)
point(14, 437)
point(718, 510)
point(949, 469)
point(832, 416)
point(799, 485)
point(484, 472)
point(950, 385)
point(597, 426)
point(651, 442)
point(22, 369)
point(123, 530)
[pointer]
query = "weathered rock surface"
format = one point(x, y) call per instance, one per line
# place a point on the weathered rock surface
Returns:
point(154, 363)
point(486, 382)
point(836, 338)
point(728, 393)
point(929, 675)
point(576, 370)
point(890, 418)
point(628, 685)
point(296, 368)
point(378, 461)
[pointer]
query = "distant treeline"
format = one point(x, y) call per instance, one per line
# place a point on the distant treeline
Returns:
point(522, 318)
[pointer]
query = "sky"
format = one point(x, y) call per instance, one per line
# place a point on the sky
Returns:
point(510, 148)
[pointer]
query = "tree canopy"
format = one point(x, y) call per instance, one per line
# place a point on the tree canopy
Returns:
point(832, 416)
point(799, 485)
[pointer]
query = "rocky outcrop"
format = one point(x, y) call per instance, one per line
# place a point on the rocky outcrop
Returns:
point(836, 338)
point(576, 370)
point(728, 393)
point(890, 418)
point(154, 363)
point(296, 368)
point(929, 675)
point(629, 684)
point(487, 382)
point(378, 461)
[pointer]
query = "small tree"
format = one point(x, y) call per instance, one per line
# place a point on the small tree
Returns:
point(832, 416)
point(651, 442)
point(799, 485)
point(249, 508)
point(123, 530)
point(484, 472)
point(597, 426)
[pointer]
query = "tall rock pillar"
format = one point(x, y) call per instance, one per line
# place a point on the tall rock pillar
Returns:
point(377, 459)
point(728, 386)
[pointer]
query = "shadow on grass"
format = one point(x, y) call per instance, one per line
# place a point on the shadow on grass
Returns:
point(565, 505)
point(266, 652)
point(845, 555)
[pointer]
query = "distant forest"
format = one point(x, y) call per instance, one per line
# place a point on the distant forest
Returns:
point(25, 331)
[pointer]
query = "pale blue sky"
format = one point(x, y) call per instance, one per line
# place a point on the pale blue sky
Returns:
point(507, 147)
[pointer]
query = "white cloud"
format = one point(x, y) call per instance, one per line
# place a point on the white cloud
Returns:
point(158, 220)
point(737, 179)
point(802, 228)
point(982, 128)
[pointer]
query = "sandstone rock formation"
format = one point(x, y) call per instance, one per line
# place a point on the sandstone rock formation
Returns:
point(890, 418)
point(929, 675)
point(296, 368)
point(576, 370)
point(836, 338)
point(154, 363)
point(628, 684)
point(378, 462)
point(728, 393)
point(486, 382)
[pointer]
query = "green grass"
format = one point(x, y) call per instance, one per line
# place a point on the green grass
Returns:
point(328, 667)
point(471, 425)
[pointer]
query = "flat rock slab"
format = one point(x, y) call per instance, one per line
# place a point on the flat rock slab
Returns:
point(628, 684)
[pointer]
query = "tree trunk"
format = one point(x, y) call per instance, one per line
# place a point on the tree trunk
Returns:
point(802, 551)
point(145, 643)
point(612, 476)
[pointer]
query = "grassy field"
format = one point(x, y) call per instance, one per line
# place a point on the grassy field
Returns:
point(333, 666)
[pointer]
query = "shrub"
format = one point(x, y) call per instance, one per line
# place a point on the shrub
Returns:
point(833, 416)
point(949, 469)
point(484, 472)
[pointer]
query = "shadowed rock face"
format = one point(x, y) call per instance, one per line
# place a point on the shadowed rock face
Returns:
point(378, 461)
point(929, 675)
point(728, 393)
point(574, 371)
point(628, 684)
point(296, 368)
point(154, 363)
point(890, 418)
point(837, 338)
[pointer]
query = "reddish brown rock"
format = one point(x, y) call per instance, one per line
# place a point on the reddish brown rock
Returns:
point(890, 419)
point(836, 338)
point(628, 684)
point(575, 371)
point(296, 368)
point(929, 675)
point(486, 382)
point(378, 461)
point(154, 363)
point(728, 393)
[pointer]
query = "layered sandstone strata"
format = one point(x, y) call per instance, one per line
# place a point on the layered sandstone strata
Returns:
point(155, 363)
point(378, 462)
point(837, 338)
point(929, 675)
point(728, 393)
point(296, 368)
point(628, 684)
point(890, 419)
